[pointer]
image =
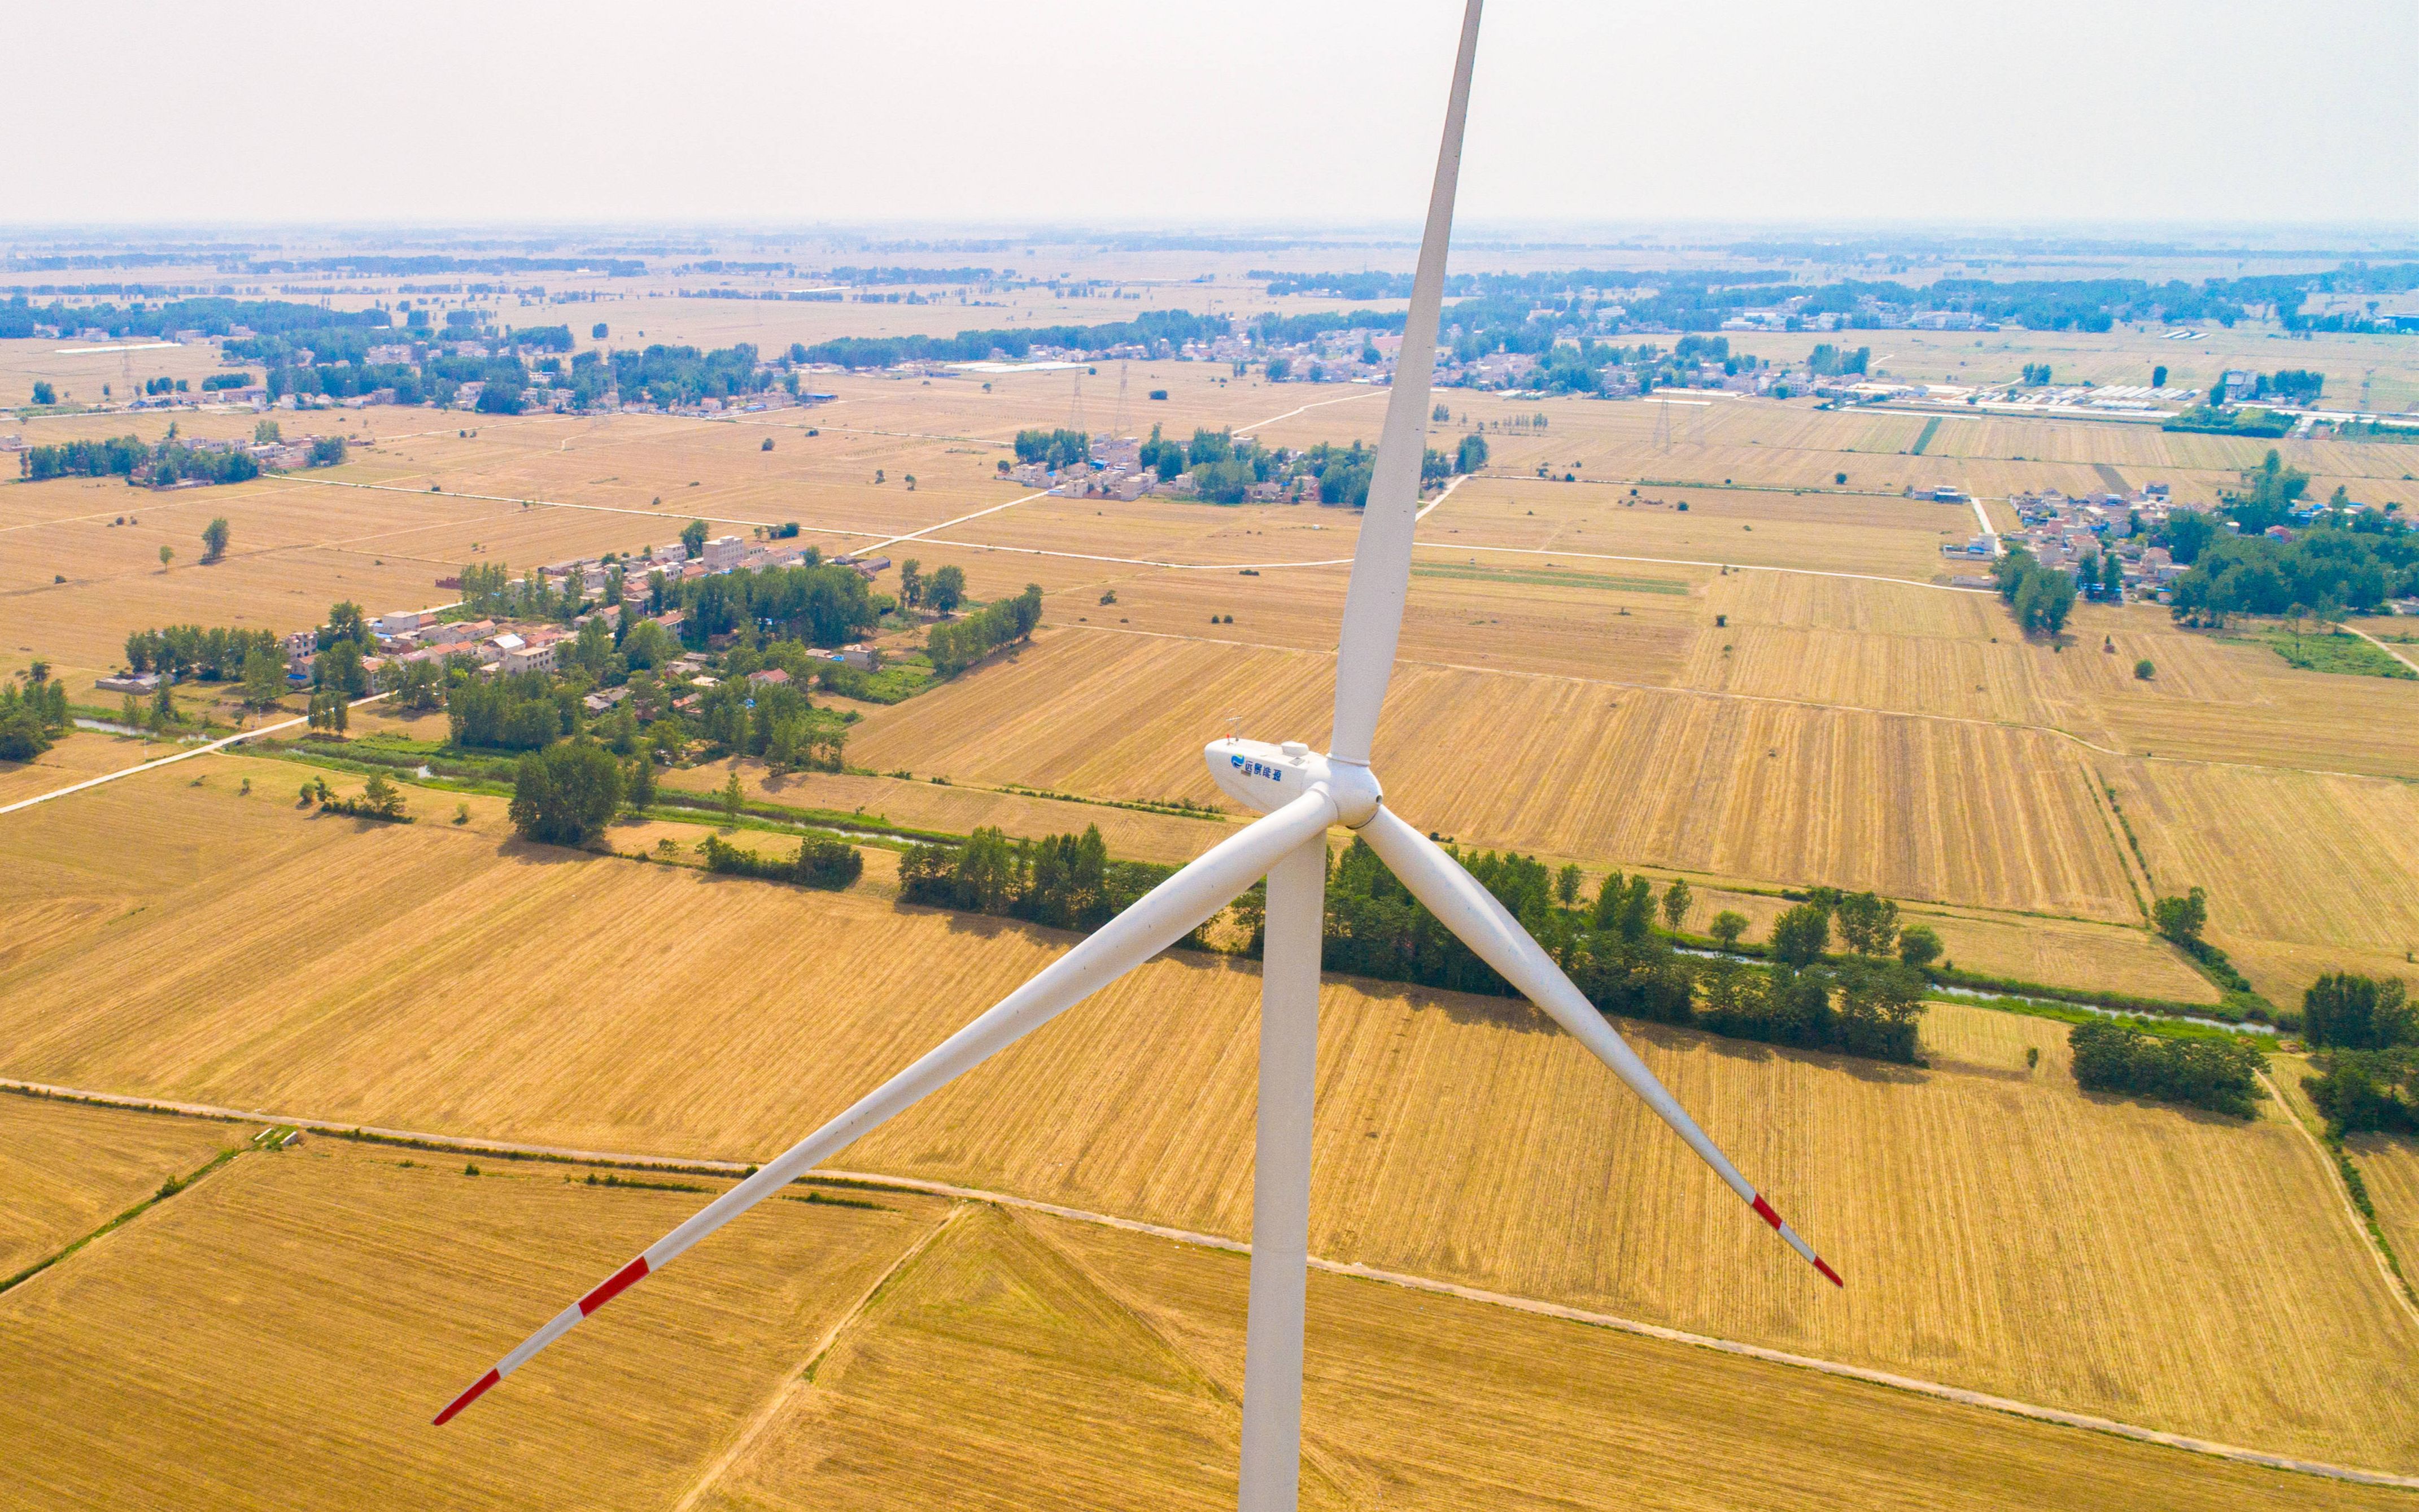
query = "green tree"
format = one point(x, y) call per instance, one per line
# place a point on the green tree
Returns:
point(1918, 945)
point(264, 433)
point(2181, 920)
point(264, 678)
point(692, 538)
point(640, 791)
point(1868, 924)
point(383, 797)
point(1675, 904)
point(44, 394)
point(2144, 670)
point(24, 733)
point(167, 554)
point(214, 539)
point(1566, 886)
point(733, 797)
point(340, 668)
point(2159, 376)
point(345, 621)
point(566, 793)
point(948, 588)
point(1472, 454)
point(911, 580)
point(163, 711)
point(1800, 935)
point(2354, 1012)
point(1726, 928)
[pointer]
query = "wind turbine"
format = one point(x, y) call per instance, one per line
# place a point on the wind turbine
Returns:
point(1300, 794)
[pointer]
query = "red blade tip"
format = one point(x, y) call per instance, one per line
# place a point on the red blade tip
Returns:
point(615, 1286)
point(1830, 1276)
point(467, 1397)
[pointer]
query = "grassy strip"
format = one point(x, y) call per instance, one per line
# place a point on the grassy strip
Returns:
point(1173, 808)
point(2166, 1028)
point(2335, 652)
point(168, 1188)
point(1923, 437)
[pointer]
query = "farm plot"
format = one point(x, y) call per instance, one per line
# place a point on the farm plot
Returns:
point(1756, 528)
point(351, 1292)
point(1458, 1138)
point(1923, 810)
point(1026, 1362)
point(65, 1169)
point(2306, 872)
point(1131, 834)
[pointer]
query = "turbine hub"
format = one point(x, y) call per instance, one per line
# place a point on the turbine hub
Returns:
point(1265, 778)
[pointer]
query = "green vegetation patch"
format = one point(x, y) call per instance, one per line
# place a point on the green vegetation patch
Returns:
point(1554, 578)
point(2337, 652)
point(1923, 437)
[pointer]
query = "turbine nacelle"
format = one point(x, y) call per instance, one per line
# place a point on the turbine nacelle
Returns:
point(1265, 778)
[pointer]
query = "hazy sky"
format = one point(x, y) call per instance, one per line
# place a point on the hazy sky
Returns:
point(1084, 112)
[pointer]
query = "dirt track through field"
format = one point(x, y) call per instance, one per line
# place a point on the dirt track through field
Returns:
point(1526, 1304)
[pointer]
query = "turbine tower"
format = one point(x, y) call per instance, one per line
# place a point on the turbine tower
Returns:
point(1300, 794)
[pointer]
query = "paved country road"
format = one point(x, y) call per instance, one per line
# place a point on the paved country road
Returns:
point(169, 761)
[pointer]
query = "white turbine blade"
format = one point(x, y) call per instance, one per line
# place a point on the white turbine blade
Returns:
point(1484, 924)
point(1155, 922)
point(1382, 563)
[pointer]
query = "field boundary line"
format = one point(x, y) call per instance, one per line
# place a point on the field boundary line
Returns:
point(237, 738)
point(175, 1186)
point(796, 1381)
point(1911, 1384)
point(2343, 1200)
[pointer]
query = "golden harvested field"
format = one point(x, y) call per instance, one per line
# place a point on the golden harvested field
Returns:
point(1831, 532)
point(1131, 834)
point(78, 755)
point(1026, 1362)
point(2389, 1168)
point(2025, 946)
point(65, 1168)
point(281, 1334)
point(2306, 872)
point(1457, 1137)
point(1976, 814)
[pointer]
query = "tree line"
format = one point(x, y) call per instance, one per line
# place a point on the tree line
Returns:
point(1149, 330)
point(2042, 597)
point(215, 653)
point(2219, 1074)
point(1061, 880)
point(2345, 560)
point(2364, 1033)
point(821, 862)
point(955, 645)
point(33, 717)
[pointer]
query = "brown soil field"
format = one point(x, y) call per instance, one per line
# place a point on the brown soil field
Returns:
point(65, 1169)
point(1965, 1203)
point(282, 1333)
point(1027, 1361)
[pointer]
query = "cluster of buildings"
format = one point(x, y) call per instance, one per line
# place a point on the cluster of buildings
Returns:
point(2062, 532)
